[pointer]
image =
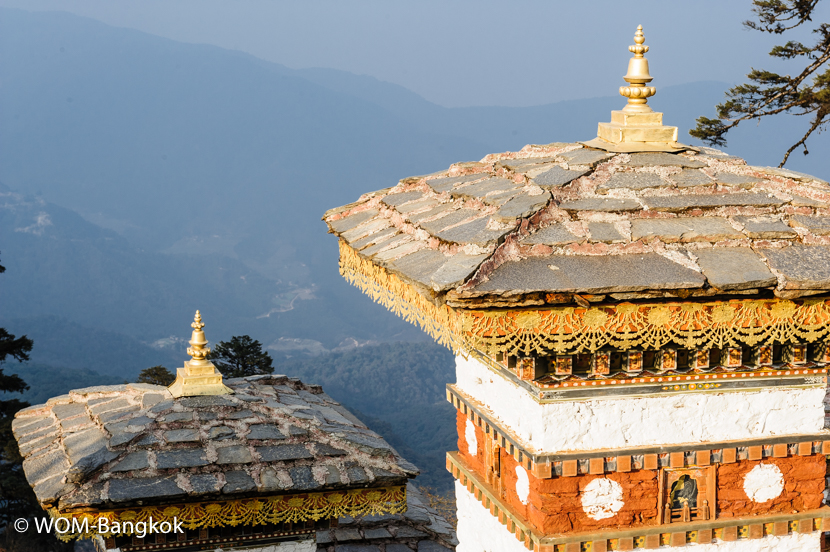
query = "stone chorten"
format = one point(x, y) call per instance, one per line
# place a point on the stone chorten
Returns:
point(264, 464)
point(641, 330)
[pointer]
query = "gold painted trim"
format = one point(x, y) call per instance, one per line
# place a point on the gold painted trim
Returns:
point(570, 330)
point(248, 511)
point(441, 322)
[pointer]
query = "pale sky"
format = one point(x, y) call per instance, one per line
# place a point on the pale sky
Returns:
point(465, 52)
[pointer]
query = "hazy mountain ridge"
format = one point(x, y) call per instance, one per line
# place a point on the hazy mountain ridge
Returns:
point(213, 157)
point(46, 380)
point(189, 133)
point(510, 128)
point(148, 178)
point(64, 343)
point(400, 384)
point(213, 168)
point(55, 260)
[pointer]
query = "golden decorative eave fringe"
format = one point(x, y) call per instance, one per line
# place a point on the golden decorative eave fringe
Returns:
point(442, 323)
point(570, 330)
point(250, 511)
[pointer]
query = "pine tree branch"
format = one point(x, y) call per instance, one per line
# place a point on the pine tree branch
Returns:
point(768, 93)
point(819, 120)
point(772, 14)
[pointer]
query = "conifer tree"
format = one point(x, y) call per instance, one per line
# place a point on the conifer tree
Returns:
point(156, 375)
point(768, 93)
point(240, 357)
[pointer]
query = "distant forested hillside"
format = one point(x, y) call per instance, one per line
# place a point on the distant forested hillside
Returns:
point(92, 299)
point(399, 390)
point(46, 381)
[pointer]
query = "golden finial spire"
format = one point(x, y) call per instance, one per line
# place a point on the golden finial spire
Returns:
point(197, 321)
point(199, 376)
point(636, 127)
point(197, 348)
point(638, 77)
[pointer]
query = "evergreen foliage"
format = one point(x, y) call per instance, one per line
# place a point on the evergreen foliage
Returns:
point(768, 93)
point(442, 502)
point(17, 500)
point(240, 357)
point(156, 375)
point(10, 346)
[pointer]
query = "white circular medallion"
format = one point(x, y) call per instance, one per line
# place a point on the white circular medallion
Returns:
point(763, 482)
point(602, 498)
point(522, 484)
point(470, 436)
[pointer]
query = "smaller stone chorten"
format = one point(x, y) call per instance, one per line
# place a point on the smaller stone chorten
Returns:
point(263, 464)
point(199, 376)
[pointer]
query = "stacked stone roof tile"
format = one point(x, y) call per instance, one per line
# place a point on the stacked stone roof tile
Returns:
point(116, 445)
point(564, 218)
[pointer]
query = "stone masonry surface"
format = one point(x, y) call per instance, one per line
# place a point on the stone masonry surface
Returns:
point(116, 445)
point(505, 226)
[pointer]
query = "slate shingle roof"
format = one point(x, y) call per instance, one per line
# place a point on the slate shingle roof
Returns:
point(111, 446)
point(564, 218)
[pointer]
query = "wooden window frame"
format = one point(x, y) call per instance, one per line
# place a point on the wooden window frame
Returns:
point(702, 474)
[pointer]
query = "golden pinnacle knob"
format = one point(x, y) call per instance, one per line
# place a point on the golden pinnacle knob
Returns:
point(639, 38)
point(197, 322)
point(197, 348)
point(637, 77)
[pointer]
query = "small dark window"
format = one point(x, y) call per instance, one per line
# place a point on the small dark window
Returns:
point(776, 354)
point(616, 362)
point(582, 365)
point(683, 358)
point(648, 360)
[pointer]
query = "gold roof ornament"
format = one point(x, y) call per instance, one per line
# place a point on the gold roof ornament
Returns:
point(637, 127)
point(199, 376)
point(638, 76)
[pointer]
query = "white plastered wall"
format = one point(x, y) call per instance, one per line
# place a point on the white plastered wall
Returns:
point(633, 422)
point(479, 531)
